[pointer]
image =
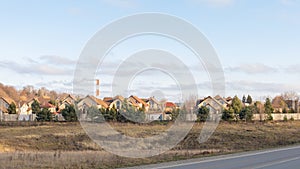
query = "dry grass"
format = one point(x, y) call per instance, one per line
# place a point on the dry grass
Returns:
point(65, 145)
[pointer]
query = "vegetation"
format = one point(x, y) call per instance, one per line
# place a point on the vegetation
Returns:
point(12, 109)
point(203, 114)
point(268, 109)
point(69, 113)
point(247, 113)
point(35, 106)
point(128, 113)
point(65, 145)
point(249, 99)
point(44, 115)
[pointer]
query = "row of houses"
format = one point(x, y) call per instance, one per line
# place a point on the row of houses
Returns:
point(24, 107)
point(154, 109)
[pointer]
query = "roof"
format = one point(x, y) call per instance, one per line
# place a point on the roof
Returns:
point(99, 101)
point(228, 99)
point(170, 104)
point(47, 105)
point(69, 96)
point(218, 97)
point(278, 102)
point(209, 97)
point(8, 100)
point(119, 97)
point(108, 99)
point(138, 100)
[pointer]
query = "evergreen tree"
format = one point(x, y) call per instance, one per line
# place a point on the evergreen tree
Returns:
point(69, 113)
point(244, 99)
point(268, 109)
point(228, 115)
point(130, 113)
point(203, 113)
point(249, 99)
point(44, 115)
point(174, 114)
point(247, 113)
point(95, 114)
point(35, 106)
point(236, 107)
point(12, 109)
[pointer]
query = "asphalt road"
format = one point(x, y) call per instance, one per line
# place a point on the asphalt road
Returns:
point(283, 158)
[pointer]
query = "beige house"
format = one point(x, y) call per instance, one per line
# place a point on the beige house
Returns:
point(67, 100)
point(4, 103)
point(138, 103)
point(213, 104)
point(90, 101)
point(115, 102)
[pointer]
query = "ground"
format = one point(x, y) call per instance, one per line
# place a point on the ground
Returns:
point(65, 145)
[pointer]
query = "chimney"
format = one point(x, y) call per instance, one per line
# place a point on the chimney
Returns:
point(97, 87)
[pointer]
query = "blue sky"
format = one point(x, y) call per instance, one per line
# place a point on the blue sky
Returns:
point(257, 41)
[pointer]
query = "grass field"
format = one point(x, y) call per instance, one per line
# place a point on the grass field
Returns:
point(65, 145)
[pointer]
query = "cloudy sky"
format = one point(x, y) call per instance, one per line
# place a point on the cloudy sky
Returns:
point(257, 43)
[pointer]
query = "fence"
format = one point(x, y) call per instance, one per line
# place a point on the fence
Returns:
point(278, 116)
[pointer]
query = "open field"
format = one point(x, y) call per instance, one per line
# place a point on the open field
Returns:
point(65, 145)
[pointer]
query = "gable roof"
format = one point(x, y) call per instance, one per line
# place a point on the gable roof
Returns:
point(209, 97)
point(218, 97)
point(98, 101)
point(138, 100)
point(170, 104)
point(278, 102)
point(8, 100)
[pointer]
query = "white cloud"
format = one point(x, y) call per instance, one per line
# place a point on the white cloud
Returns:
point(57, 60)
point(255, 68)
point(47, 65)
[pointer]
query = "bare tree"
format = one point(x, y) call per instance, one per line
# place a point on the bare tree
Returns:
point(290, 95)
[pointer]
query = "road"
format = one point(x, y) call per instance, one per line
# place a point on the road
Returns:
point(283, 158)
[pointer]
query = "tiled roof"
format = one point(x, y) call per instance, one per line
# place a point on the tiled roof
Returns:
point(99, 101)
point(170, 104)
point(277, 102)
point(138, 100)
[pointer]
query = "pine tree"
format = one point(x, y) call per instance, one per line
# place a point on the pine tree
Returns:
point(244, 99)
point(249, 99)
point(268, 109)
point(69, 113)
point(203, 113)
point(44, 115)
point(12, 109)
point(236, 107)
point(35, 106)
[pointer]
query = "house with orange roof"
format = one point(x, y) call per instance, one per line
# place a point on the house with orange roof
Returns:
point(154, 105)
point(66, 100)
point(115, 102)
point(138, 103)
point(4, 103)
point(89, 101)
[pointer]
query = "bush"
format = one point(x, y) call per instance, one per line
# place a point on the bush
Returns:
point(44, 115)
point(228, 115)
point(285, 118)
point(69, 113)
point(203, 113)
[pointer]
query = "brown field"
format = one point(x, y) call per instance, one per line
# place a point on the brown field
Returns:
point(65, 145)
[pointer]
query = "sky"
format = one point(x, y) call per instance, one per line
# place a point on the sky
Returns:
point(257, 43)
